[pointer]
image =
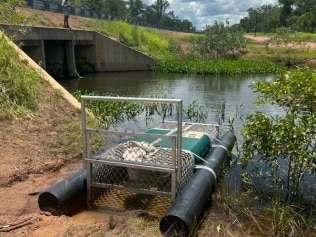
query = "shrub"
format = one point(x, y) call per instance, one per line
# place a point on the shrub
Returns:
point(291, 137)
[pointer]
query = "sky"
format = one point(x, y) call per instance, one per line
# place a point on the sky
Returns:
point(206, 12)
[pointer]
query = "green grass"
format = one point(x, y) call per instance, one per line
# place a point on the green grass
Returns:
point(20, 99)
point(227, 67)
point(68, 140)
point(307, 37)
point(153, 42)
point(19, 84)
point(173, 51)
point(165, 46)
point(282, 56)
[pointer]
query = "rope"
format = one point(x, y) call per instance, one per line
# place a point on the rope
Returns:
point(221, 146)
point(195, 155)
point(79, 77)
point(208, 169)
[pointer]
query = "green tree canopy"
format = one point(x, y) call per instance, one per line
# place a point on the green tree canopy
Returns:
point(286, 11)
point(299, 15)
point(135, 8)
point(220, 40)
point(159, 8)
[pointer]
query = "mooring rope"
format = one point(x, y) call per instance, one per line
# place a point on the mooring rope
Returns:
point(221, 146)
point(207, 168)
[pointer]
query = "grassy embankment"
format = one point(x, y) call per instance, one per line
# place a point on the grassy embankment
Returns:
point(174, 51)
point(24, 96)
point(19, 85)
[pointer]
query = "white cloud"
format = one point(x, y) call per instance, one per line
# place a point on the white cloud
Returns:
point(205, 12)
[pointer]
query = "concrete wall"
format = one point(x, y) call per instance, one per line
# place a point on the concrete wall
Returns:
point(56, 46)
point(51, 33)
point(114, 56)
point(34, 49)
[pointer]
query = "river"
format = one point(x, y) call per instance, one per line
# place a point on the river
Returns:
point(211, 91)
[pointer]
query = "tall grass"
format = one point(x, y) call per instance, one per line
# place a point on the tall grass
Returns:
point(18, 84)
point(252, 217)
point(304, 36)
point(148, 40)
point(294, 55)
point(174, 50)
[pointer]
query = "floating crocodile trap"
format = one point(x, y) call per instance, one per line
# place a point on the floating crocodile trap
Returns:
point(159, 161)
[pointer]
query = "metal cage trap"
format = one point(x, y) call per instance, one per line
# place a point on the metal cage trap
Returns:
point(152, 165)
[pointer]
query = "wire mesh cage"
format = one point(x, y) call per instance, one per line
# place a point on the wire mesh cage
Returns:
point(157, 161)
point(134, 177)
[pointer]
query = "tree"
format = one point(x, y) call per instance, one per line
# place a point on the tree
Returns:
point(94, 5)
point(187, 26)
point(286, 11)
point(306, 14)
point(149, 16)
point(291, 137)
point(220, 40)
point(263, 19)
point(117, 8)
point(298, 15)
point(135, 8)
point(159, 8)
point(270, 18)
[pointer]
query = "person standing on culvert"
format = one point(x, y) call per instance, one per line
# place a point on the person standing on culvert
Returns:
point(66, 11)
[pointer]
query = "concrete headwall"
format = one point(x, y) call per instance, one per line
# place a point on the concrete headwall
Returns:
point(114, 56)
point(58, 47)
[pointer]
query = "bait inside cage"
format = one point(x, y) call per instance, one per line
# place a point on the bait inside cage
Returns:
point(152, 165)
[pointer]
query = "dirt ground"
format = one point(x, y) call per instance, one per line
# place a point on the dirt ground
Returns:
point(262, 39)
point(26, 170)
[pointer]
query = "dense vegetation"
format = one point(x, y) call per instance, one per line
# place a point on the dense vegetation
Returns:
point(225, 67)
point(18, 87)
point(9, 15)
point(208, 53)
point(286, 146)
point(290, 137)
point(18, 83)
point(298, 15)
point(148, 40)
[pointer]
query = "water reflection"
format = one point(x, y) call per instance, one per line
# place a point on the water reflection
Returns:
point(211, 91)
